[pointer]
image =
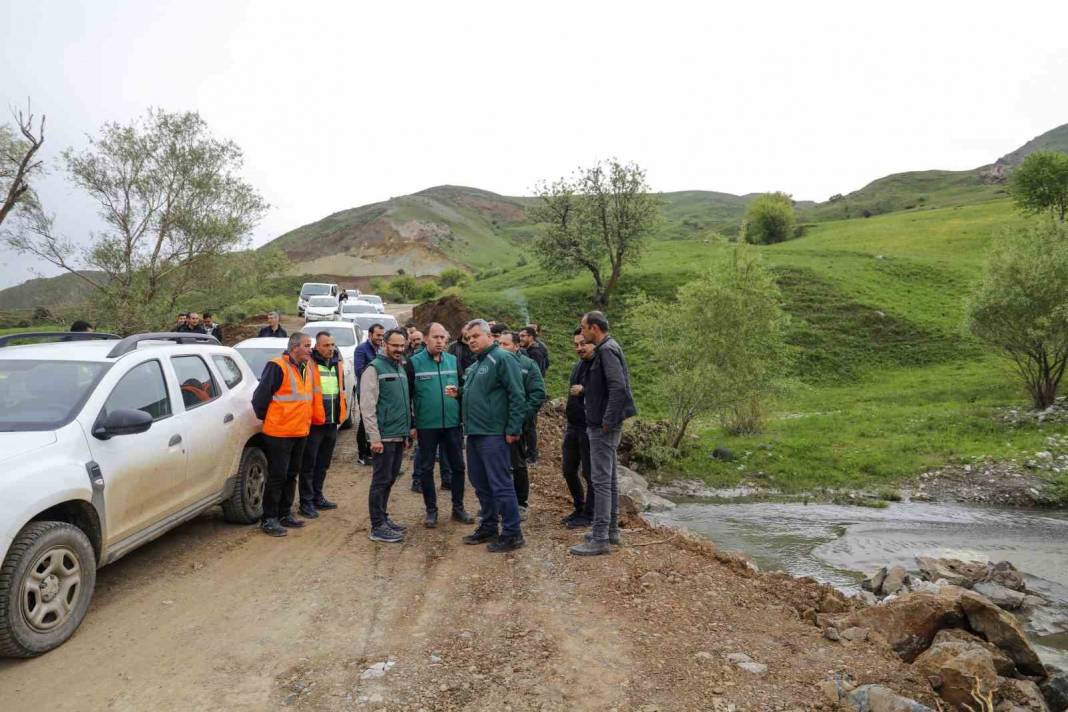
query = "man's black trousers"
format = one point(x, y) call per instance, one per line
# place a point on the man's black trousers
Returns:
point(576, 451)
point(520, 473)
point(385, 468)
point(318, 453)
point(449, 441)
point(284, 457)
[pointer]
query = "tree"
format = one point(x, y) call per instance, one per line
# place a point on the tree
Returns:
point(1040, 184)
point(171, 201)
point(1021, 306)
point(742, 356)
point(598, 221)
point(18, 164)
point(454, 276)
point(769, 218)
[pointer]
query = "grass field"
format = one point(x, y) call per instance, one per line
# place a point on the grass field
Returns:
point(886, 382)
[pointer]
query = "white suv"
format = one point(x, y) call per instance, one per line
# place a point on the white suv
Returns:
point(105, 444)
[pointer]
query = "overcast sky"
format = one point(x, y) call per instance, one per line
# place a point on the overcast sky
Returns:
point(347, 103)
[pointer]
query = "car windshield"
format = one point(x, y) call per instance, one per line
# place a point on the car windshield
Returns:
point(45, 395)
point(374, 298)
point(364, 321)
point(358, 308)
point(257, 358)
point(322, 302)
point(343, 335)
point(310, 290)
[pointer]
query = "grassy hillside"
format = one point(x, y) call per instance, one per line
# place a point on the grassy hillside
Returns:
point(64, 290)
point(887, 383)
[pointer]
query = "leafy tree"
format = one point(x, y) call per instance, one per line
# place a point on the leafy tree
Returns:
point(19, 165)
point(598, 221)
point(741, 355)
point(1040, 184)
point(171, 202)
point(1021, 306)
point(769, 218)
point(454, 276)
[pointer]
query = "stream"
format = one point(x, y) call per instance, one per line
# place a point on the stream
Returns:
point(839, 545)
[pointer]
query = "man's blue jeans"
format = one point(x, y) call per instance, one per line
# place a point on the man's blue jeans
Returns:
point(489, 465)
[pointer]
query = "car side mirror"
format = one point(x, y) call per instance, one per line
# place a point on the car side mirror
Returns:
point(122, 422)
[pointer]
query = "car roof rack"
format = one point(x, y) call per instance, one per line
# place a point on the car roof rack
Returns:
point(130, 342)
point(57, 336)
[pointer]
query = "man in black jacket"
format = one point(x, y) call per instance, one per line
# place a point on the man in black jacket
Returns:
point(576, 446)
point(273, 328)
point(539, 354)
point(211, 327)
point(608, 402)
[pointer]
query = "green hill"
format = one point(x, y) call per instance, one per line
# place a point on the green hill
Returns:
point(65, 290)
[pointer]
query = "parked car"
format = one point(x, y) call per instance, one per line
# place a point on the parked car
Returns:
point(376, 300)
point(258, 351)
point(364, 322)
point(353, 293)
point(351, 308)
point(314, 289)
point(105, 444)
point(319, 308)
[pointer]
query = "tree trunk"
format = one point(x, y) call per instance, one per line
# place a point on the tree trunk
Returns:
point(677, 440)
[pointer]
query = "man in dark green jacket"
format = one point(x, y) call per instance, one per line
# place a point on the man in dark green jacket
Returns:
point(435, 386)
point(385, 405)
point(493, 407)
point(534, 393)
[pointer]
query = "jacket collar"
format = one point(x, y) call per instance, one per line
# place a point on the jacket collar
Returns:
point(333, 361)
point(483, 354)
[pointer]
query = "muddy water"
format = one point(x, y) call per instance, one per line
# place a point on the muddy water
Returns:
point(839, 544)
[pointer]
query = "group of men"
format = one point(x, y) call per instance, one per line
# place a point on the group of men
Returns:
point(193, 322)
point(478, 396)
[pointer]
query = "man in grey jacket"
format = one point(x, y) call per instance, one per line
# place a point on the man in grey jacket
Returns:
point(608, 402)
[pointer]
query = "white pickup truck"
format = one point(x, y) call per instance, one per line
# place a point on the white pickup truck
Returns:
point(105, 444)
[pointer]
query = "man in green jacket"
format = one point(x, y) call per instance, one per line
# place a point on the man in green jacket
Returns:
point(534, 394)
point(493, 408)
point(435, 386)
point(385, 405)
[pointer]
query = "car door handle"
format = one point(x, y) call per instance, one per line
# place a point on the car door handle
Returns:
point(175, 440)
point(228, 418)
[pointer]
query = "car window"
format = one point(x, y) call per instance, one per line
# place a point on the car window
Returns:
point(143, 388)
point(309, 290)
point(322, 302)
point(198, 386)
point(44, 395)
point(343, 335)
point(230, 371)
point(257, 358)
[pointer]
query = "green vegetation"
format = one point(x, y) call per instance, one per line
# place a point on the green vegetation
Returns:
point(887, 381)
point(769, 219)
point(1040, 184)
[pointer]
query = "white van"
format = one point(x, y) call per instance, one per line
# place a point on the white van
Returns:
point(314, 289)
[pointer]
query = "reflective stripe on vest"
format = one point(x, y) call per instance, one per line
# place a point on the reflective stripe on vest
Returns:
point(290, 412)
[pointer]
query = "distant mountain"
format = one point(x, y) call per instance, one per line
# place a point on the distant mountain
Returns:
point(65, 290)
point(935, 189)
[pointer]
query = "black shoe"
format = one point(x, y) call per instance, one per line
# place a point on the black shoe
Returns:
point(324, 503)
point(291, 522)
point(447, 486)
point(365, 461)
point(459, 515)
point(308, 512)
point(532, 460)
point(431, 520)
point(506, 543)
point(578, 523)
point(417, 486)
point(272, 527)
point(395, 527)
point(569, 517)
point(385, 535)
point(480, 536)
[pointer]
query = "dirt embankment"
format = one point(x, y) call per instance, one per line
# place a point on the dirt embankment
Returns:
point(220, 617)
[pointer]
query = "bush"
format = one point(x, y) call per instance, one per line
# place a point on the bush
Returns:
point(454, 277)
point(252, 306)
point(770, 218)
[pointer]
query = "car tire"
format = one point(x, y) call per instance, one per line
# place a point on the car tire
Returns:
point(245, 505)
point(350, 420)
point(46, 584)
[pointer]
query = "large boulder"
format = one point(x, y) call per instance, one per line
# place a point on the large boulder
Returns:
point(910, 621)
point(1001, 629)
point(635, 497)
point(955, 669)
point(954, 571)
point(1020, 696)
point(1055, 690)
point(896, 579)
point(960, 640)
point(1000, 595)
point(1005, 574)
point(876, 698)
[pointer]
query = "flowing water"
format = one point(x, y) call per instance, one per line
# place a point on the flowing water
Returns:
point(840, 544)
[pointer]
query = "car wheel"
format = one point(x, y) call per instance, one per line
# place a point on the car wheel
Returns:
point(245, 505)
point(46, 583)
point(352, 404)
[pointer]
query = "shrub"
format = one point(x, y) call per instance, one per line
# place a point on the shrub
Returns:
point(454, 277)
point(770, 218)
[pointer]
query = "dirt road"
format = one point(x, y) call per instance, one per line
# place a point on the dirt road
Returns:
point(214, 616)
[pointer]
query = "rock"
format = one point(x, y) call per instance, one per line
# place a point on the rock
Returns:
point(1032, 601)
point(876, 698)
point(867, 597)
point(833, 602)
point(959, 668)
point(895, 580)
point(836, 688)
point(910, 621)
point(722, 453)
point(1001, 596)
point(1023, 695)
point(1005, 574)
point(737, 658)
point(874, 582)
point(1001, 629)
point(1055, 690)
point(755, 668)
point(377, 670)
point(856, 633)
point(955, 571)
point(961, 640)
point(635, 497)
point(831, 633)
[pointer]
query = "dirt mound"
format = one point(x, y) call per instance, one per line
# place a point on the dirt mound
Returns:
point(449, 311)
point(244, 329)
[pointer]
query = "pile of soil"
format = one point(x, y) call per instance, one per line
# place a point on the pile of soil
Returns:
point(449, 311)
point(245, 329)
